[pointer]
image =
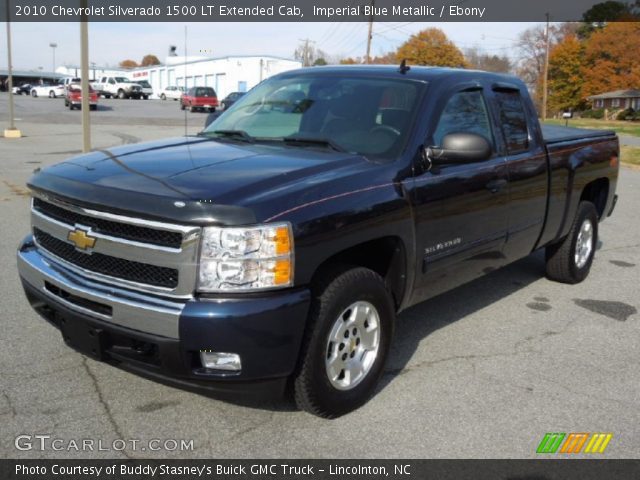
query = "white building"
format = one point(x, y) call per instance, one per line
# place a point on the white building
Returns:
point(224, 74)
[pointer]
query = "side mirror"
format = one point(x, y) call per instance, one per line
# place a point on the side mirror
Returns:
point(460, 148)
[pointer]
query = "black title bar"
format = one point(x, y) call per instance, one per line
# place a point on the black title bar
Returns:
point(301, 10)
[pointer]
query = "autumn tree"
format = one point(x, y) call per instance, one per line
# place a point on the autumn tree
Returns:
point(531, 46)
point(388, 58)
point(149, 60)
point(431, 47)
point(128, 64)
point(566, 75)
point(611, 58)
point(480, 60)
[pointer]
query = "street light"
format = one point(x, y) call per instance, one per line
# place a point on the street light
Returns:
point(53, 46)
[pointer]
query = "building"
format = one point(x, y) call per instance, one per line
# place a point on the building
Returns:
point(224, 74)
point(33, 77)
point(618, 99)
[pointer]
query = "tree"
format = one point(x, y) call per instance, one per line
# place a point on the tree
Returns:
point(611, 58)
point(598, 15)
point(480, 60)
point(431, 47)
point(388, 58)
point(350, 61)
point(308, 54)
point(566, 75)
point(149, 60)
point(128, 64)
point(531, 46)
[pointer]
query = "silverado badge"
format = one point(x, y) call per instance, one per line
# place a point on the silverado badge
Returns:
point(81, 239)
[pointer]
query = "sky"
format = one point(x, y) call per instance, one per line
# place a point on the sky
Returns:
point(110, 43)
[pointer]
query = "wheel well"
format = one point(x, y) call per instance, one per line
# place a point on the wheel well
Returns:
point(597, 193)
point(385, 256)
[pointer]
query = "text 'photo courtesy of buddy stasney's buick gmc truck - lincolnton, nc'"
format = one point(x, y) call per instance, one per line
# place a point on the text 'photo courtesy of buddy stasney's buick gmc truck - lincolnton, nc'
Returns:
point(271, 253)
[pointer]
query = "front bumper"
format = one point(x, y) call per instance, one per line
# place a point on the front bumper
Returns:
point(160, 338)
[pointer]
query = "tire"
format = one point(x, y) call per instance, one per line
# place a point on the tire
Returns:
point(191, 109)
point(107, 96)
point(121, 95)
point(52, 94)
point(182, 107)
point(71, 107)
point(93, 107)
point(163, 97)
point(34, 94)
point(337, 297)
point(146, 97)
point(569, 260)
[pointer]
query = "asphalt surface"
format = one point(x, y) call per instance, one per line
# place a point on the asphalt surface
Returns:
point(482, 371)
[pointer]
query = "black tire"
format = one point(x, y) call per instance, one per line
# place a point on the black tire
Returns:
point(146, 97)
point(93, 107)
point(192, 108)
point(182, 107)
point(163, 97)
point(121, 94)
point(107, 96)
point(334, 293)
point(561, 257)
point(34, 93)
point(52, 94)
point(71, 107)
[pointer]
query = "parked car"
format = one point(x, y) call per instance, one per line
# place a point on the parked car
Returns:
point(51, 91)
point(230, 99)
point(73, 97)
point(172, 92)
point(23, 89)
point(199, 98)
point(119, 87)
point(147, 90)
point(276, 248)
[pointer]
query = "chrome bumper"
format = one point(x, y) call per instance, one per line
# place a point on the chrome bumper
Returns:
point(128, 309)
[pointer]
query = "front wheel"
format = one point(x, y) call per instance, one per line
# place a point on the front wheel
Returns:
point(121, 95)
point(52, 94)
point(163, 97)
point(350, 328)
point(34, 93)
point(569, 261)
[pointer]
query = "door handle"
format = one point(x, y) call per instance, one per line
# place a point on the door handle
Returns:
point(494, 186)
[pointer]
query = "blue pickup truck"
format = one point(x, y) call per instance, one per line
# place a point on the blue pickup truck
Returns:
point(272, 252)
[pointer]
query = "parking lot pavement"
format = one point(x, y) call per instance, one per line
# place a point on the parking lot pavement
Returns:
point(482, 371)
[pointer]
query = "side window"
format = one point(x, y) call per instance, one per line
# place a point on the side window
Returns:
point(513, 120)
point(465, 112)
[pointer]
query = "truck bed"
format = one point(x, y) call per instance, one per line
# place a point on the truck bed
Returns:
point(558, 134)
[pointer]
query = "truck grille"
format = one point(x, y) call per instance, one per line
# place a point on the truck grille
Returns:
point(134, 253)
point(107, 227)
point(107, 265)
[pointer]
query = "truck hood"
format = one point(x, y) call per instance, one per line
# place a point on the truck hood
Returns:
point(188, 179)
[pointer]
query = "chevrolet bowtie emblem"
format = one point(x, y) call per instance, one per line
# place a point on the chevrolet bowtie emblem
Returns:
point(81, 239)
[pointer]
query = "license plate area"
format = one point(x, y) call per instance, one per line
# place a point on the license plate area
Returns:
point(82, 337)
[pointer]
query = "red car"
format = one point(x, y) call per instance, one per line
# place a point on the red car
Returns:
point(73, 97)
point(199, 98)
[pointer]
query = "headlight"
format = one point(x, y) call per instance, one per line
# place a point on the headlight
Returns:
point(246, 259)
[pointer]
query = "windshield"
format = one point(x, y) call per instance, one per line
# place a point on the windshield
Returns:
point(122, 80)
point(368, 116)
point(144, 84)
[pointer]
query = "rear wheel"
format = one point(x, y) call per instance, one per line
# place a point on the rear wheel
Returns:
point(34, 93)
point(52, 94)
point(182, 107)
point(121, 95)
point(569, 261)
point(93, 107)
point(346, 345)
point(163, 97)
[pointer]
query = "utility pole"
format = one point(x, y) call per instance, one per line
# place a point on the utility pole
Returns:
point(546, 71)
point(53, 46)
point(370, 34)
point(84, 78)
point(12, 131)
point(306, 52)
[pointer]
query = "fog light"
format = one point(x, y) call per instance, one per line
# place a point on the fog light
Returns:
point(220, 360)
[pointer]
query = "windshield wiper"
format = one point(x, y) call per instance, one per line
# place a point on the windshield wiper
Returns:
point(319, 141)
point(236, 134)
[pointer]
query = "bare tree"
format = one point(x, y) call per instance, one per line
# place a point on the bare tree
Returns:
point(481, 60)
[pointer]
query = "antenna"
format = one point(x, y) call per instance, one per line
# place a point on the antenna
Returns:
point(185, 78)
point(404, 68)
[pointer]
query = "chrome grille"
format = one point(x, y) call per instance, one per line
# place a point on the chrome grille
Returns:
point(116, 229)
point(107, 265)
point(140, 254)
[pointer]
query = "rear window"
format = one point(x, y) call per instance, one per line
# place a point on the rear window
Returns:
point(513, 120)
point(205, 92)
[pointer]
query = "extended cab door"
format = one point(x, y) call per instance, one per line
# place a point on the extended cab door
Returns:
point(460, 210)
point(526, 165)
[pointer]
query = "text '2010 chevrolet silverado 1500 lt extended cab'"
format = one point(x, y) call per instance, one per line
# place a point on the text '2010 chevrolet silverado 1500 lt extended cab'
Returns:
point(277, 247)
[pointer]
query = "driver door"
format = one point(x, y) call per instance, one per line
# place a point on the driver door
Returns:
point(459, 209)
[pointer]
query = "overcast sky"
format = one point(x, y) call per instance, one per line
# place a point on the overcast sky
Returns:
point(112, 42)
